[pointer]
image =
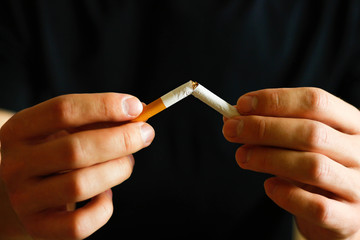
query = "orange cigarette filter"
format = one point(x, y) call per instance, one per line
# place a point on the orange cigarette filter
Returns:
point(150, 110)
point(166, 101)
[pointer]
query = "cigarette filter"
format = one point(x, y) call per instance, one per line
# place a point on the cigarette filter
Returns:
point(166, 101)
point(215, 102)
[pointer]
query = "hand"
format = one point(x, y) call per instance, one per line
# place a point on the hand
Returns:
point(310, 140)
point(69, 149)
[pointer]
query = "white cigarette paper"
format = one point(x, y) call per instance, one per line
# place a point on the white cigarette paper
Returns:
point(215, 102)
point(178, 94)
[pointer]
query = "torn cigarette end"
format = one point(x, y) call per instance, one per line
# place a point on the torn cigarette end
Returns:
point(194, 84)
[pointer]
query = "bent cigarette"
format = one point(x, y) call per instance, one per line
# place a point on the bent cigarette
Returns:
point(215, 102)
point(182, 92)
point(166, 101)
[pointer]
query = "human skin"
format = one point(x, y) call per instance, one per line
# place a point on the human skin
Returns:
point(69, 149)
point(307, 138)
point(310, 141)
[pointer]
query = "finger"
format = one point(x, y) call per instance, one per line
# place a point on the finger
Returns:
point(75, 186)
point(305, 167)
point(296, 134)
point(87, 148)
point(317, 209)
point(318, 232)
point(71, 111)
point(310, 103)
point(77, 224)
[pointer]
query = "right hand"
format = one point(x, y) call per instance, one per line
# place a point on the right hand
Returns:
point(70, 149)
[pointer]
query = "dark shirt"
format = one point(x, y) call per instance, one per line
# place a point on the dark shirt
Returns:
point(187, 182)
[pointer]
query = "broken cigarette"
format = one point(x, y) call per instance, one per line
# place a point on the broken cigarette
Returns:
point(215, 102)
point(183, 91)
point(165, 101)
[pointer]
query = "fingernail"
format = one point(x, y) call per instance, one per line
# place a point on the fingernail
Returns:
point(147, 134)
point(247, 104)
point(132, 106)
point(233, 128)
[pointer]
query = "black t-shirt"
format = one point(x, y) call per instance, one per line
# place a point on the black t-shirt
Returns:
point(187, 182)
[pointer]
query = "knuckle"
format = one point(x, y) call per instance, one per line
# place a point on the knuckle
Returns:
point(262, 127)
point(260, 158)
point(107, 209)
point(316, 99)
point(319, 169)
point(291, 196)
point(276, 103)
point(125, 167)
point(321, 211)
point(109, 105)
point(76, 188)
point(63, 109)
point(316, 135)
point(126, 141)
point(77, 229)
point(73, 151)
point(79, 226)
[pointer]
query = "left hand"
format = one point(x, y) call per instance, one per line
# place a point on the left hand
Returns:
point(310, 140)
